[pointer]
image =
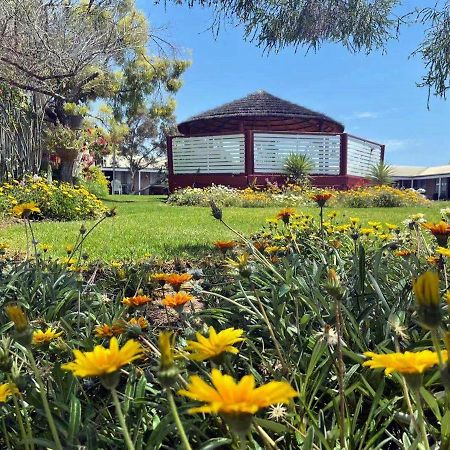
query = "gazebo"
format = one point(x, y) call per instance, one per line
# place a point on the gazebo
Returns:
point(248, 140)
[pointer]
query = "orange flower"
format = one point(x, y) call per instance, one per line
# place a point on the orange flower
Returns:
point(106, 330)
point(159, 277)
point(225, 245)
point(138, 300)
point(140, 322)
point(285, 214)
point(179, 299)
point(440, 230)
point(321, 198)
point(176, 280)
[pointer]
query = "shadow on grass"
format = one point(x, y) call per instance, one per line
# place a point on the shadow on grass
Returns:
point(188, 249)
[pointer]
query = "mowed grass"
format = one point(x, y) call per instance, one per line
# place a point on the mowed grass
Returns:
point(146, 225)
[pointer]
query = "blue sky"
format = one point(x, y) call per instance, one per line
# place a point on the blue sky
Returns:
point(375, 96)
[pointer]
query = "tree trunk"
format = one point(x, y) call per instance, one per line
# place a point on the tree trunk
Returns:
point(66, 172)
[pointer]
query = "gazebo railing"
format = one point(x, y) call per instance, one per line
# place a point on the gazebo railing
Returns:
point(260, 153)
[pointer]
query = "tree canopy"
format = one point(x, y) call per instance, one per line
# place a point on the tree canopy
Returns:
point(359, 25)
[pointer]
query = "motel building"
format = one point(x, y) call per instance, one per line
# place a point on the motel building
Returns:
point(434, 181)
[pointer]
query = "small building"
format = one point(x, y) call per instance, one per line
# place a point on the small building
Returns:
point(435, 181)
point(148, 180)
point(247, 142)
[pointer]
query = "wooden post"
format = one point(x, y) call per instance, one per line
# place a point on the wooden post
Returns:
point(249, 154)
point(343, 159)
point(170, 163)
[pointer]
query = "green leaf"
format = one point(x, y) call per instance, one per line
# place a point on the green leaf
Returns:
point(431, 402)
point(215, 443)
point(74, 418)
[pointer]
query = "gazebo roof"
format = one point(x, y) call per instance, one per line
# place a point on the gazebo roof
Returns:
point(259, 104)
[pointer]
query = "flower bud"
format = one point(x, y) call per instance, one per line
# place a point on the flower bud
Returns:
point(17, 316)
point(167, 372)
point(333, 284)
point(426, 290)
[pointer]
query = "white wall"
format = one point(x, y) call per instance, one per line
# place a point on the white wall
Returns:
point(271, 151)
point(211, 154)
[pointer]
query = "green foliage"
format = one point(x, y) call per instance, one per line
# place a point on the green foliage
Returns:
point(74, 109)
point(57, 201)
point(360, 26)
point(94, 181)
point(298, 167)
point(381, 174)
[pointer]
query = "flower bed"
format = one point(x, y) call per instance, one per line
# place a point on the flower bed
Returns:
point(56, 201)
point(246, 198)
point(379, 196)
point(281, 337)
point(375, 196)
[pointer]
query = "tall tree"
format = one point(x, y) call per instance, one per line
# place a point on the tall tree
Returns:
point(359, 25)
point(143, 108)
point(67, 49)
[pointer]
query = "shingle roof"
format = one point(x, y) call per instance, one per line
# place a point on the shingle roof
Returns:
point(260, 103)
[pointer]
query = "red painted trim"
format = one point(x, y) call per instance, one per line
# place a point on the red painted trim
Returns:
point(249, 153)
point(242, 181)
point(343, 157)
point(226, 133)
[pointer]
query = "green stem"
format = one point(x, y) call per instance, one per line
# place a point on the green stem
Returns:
point(5, 433)
point(437, 347)
point(23, 434)
point(43, 395)
point(123, 424)
point(442, 364)
point(179, 424)
point(420, 419)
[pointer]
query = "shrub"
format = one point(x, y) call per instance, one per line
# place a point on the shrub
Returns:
point(298, 167)
point(94, 181)
point(57, 201)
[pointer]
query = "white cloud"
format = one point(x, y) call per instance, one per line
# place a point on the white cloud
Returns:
point(393, 145)
point(366, 115)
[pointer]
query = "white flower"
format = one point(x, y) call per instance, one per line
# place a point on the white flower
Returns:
point(328, 335)
point(277, 412)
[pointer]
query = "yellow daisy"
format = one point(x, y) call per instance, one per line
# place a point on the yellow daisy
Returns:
point(102, 361)
point(215, 344)
point(7, 390)
point(227, 396)
point(404, 363)
point(45, 337)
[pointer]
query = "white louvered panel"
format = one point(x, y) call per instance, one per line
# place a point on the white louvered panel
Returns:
point(361, 156)
point(210, 154)
point(271, 151)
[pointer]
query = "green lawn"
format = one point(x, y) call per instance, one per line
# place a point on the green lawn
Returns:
point(147, 226)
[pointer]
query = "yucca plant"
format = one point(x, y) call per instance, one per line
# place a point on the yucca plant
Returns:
point(298, 167)
point(381, 174)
